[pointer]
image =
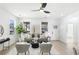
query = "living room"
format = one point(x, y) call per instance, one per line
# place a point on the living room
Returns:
point(55, 25)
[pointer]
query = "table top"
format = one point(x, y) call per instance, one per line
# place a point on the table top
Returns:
point(22, 43)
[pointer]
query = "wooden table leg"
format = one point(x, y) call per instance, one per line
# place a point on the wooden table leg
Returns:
point(3, 46)
point(8, 44)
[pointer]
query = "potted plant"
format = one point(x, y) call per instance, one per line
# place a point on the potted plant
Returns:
point(19, 30)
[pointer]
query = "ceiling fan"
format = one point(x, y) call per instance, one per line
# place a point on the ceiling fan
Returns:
point(43, 5)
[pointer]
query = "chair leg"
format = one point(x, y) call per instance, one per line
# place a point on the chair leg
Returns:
point(49, 53)
point(42, 53)
point(25, 53)
point(17, 53)
point(28, 52)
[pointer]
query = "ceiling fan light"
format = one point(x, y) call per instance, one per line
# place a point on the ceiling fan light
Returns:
point(46, 11)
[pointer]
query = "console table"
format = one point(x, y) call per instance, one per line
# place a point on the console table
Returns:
point(2, 41)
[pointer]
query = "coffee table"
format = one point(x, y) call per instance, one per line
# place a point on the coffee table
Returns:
point(35, 45)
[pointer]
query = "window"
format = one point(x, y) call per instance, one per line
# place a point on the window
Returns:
point(44, 26)
point(11, 26)
point(27, 27)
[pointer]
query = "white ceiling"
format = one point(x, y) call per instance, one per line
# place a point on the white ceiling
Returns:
point(25, 9)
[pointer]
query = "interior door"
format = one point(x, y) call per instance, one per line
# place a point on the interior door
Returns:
point(70, 34)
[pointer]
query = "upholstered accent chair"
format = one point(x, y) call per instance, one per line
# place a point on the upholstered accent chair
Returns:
point(28, 40)
point(40, 40)
point(33, 35)
point(45, 39)
point(22, 47)
point(38, 35)
point(45, 48)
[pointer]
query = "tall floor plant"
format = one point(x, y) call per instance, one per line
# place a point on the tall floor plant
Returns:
point(19, 30)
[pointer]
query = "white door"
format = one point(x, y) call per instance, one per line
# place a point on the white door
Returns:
point(70, 34)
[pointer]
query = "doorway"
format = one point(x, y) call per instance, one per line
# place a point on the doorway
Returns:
point(70, 35)
point(70, 32)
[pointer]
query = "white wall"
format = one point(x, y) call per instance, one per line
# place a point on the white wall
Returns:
point(51, 22)
point(71, 19)
point(5, 18)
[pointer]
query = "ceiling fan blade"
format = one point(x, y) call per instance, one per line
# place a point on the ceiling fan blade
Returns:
point(42, 8)
point(36, 10)
point(46, 12)
point(44, 5)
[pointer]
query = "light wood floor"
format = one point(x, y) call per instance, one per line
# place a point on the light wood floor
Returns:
point(58, 45)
